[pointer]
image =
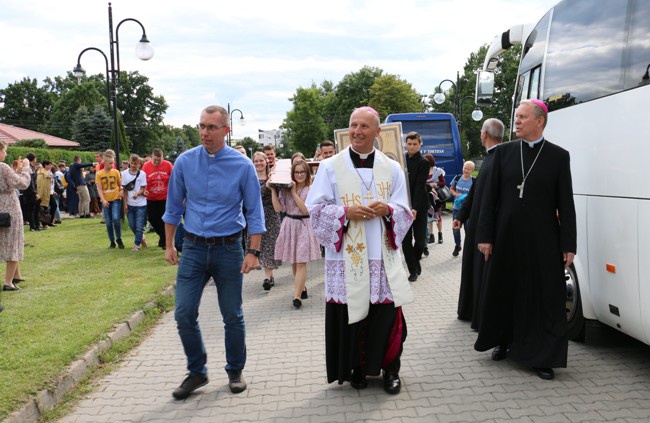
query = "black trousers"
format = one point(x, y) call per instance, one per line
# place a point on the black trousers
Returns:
point(414, 242)
point(155, 211)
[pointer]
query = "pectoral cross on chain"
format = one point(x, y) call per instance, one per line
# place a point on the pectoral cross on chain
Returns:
point(521, 189)
point(369, 196)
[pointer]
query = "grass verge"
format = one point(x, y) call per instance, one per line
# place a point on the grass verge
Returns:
point(76, 289)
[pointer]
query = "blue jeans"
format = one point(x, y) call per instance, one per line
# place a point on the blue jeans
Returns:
point(137, 216)
point(112, 218)
point(454, 213)
point(197, 264)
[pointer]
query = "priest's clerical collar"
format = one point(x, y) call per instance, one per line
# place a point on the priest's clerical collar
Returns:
point(362, 160)
point(532, 144)
point(491, 149)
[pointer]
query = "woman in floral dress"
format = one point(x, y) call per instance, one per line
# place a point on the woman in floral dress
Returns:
point(271, 220)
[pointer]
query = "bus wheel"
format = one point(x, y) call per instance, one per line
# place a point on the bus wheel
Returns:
point(575, 319)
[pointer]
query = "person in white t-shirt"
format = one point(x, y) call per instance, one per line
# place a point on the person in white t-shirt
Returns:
point(134, 182)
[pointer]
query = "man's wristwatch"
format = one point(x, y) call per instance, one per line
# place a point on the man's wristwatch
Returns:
point(256, 253)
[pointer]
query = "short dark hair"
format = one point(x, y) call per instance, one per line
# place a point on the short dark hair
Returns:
point(31, 157)
point(414, 136)
point(268, 147)
point(327, 143)
point(157, 152)
point(46, 162)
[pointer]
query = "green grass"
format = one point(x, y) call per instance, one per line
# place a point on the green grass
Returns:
point(76, 289)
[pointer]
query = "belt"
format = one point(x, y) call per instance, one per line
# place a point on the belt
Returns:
point(215, 240)
point(293, 216)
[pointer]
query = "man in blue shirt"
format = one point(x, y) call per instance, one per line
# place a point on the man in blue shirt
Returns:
point(208, 188)
point(79, 182)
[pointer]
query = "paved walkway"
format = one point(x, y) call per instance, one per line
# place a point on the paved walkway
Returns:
point(444, 379)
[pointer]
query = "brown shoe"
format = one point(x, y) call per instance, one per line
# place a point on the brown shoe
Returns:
point(236, 381)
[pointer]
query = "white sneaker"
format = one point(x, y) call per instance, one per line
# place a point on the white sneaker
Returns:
point(135, 248)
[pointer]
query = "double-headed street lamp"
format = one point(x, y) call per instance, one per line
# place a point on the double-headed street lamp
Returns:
point(242, 121)
point(143, 51)
point(439, 98)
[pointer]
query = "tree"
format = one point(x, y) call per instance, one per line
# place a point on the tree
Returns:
point(353, 91)
point(389, 94)
point(92, 129)
point(305, 126)
point(26, 105)
point(66, 106)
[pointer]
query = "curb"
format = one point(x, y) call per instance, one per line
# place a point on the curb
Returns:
point(48, 398)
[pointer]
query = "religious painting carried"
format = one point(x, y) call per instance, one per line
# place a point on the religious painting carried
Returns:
point(388, 142)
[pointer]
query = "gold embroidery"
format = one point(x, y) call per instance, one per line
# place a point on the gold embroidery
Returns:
point(351, 200)
point(383, 190)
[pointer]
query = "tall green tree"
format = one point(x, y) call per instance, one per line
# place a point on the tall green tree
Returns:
point(25, 104)
point(352, 91)
point(304, 124)
point(390, 94)
point(92, 129)
point(68, 103)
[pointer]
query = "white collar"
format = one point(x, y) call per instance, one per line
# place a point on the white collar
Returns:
point(363, 156)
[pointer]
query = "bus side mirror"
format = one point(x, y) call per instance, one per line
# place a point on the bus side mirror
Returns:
point(484, 87)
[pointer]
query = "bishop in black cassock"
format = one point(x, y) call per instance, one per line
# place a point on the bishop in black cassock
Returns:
point(527, 232)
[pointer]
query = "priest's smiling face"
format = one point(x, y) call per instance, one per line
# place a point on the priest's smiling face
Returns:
point(364, 128)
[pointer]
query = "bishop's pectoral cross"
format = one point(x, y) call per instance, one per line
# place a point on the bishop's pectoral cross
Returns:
point(521, 189)
point(369, 196)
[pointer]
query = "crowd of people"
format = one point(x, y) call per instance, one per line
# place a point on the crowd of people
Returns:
point(361, 210)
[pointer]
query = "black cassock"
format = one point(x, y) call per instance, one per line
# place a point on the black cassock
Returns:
point(522, 298)
point(473, 262)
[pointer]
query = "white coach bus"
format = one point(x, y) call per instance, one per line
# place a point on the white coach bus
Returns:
point(589, 61)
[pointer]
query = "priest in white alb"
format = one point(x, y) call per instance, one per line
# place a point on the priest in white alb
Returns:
point(360, 212)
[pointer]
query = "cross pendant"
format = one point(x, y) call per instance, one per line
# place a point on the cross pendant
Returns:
point(369, 196)
point(521, 189)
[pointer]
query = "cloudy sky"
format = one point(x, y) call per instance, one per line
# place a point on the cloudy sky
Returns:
point(254, 54)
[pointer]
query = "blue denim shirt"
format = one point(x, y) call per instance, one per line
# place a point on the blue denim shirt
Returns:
point(211, 192)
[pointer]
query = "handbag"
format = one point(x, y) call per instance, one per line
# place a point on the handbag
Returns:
point(5, 220)
point(131, 185)
point(44, 216)
point(444, 193)
point(58, 186)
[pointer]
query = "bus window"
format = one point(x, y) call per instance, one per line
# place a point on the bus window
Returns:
point(637, 58)
point(585, 52)
point(533, 91)
point(535, 45)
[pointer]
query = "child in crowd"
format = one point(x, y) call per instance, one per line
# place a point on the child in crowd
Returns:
point(109, 185)
point(296, 243)
point(134, 182)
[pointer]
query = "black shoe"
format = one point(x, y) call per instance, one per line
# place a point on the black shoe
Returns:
point(392, 383)
point(36, 229)
point(432, 239)
point(545, 373)
point(267, 284)
point(425, 252)
point(236, 381)
point(10, 288)
point(15, 281)
point(297, 303)
point(456, 251)
point(303, 295)
point(58, 222)
point(413, 277)
point(189, 385)
point(419, 270)
point(358, 380)
point(120, 245)
point(112, 245)
point(499, 353)
point(439, 237)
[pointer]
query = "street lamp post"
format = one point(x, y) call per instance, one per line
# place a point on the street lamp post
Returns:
point(439, 96)
point(143, 51)
point(477, 114)
point(242, 121)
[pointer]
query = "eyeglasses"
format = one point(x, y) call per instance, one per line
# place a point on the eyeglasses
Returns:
point(300, 172)
point(210, 128)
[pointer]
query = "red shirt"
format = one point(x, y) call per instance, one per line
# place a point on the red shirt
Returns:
point(157, 179)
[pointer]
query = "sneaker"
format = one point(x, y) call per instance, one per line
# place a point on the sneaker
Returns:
point(456, 251)
point(432, 239)
point(425, 252)
point(439, 237)
point(112, 245)
point(120, 245)
point(135, 248)
point(189, 385)
point(236, 381)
